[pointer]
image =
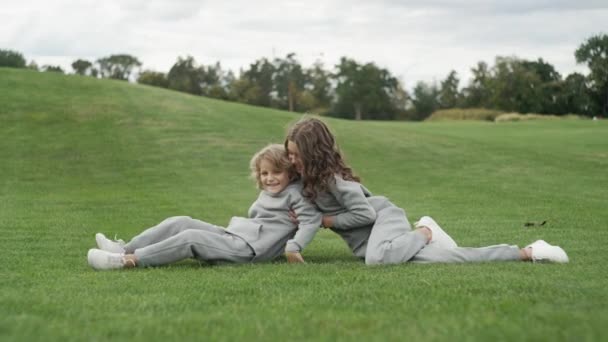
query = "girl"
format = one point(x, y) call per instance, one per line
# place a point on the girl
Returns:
point(373, 227)
point(261, 237)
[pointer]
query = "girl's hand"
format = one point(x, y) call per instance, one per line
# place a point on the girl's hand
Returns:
point(328, 221)
point(293, 217)
point(294, 258)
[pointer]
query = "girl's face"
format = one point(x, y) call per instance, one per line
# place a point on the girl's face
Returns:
point(294, 156)
point(273, 180)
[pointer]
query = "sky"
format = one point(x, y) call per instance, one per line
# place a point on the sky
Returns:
point(415, 40)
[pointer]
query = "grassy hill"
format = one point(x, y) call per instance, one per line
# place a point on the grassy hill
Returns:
point(81, 155)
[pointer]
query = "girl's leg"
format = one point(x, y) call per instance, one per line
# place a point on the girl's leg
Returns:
point(435, 254)
point(195, 243)
point(392, 240)
point(166, 229)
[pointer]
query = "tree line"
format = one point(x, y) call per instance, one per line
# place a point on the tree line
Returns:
point(357, 90)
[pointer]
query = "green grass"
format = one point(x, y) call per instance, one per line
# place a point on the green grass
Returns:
point(80, 155)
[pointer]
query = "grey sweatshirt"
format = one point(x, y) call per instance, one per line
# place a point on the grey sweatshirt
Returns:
point(269, 227)
point(354, 216)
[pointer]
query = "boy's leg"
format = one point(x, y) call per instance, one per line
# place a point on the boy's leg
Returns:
point(392, 240)
point(167, 229)
point(195, 243)
point(434, 254)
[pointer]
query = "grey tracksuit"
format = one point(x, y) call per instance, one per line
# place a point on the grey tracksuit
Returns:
point(377, 230)
point(261, 237)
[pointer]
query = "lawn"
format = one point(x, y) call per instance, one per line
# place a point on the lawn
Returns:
point(81, 155)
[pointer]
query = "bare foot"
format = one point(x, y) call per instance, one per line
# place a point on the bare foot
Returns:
point(129, 260)
point(525, 254)
point(426, 232)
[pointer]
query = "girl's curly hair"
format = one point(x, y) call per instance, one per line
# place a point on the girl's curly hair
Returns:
point(320, 155)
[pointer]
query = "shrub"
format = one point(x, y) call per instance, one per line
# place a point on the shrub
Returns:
point(465, 114)
point(510, 117)
point(52, 68)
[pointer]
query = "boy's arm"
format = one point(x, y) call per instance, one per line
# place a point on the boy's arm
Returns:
point(309, 222)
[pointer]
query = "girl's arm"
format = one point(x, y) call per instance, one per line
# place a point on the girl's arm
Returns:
point(351, 196)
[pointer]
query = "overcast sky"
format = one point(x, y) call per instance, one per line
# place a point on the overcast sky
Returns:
point(416, 40)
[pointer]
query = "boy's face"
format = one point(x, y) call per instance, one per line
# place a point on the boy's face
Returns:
point(272, 180)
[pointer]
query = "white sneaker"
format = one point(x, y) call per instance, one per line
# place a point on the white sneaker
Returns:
point(542, 251)
point(440, 238)
point(103, 260)
point(108, 245)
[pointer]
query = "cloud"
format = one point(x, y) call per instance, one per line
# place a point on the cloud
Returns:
point(162, 10)
point(415, 40)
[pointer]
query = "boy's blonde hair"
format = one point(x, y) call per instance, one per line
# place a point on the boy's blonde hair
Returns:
point(276, 155)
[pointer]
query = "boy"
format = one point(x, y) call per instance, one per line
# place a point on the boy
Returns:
point(260, 237)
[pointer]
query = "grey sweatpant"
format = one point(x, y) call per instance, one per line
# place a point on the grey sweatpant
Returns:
point(182, 237)
point(392, 241)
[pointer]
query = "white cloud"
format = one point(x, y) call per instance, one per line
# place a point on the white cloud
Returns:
point(162, 10)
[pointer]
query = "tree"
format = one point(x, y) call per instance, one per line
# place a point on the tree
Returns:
point(289, 80)
point(81, 66)
point(401, 100)
point(33, 66)
point(319, 87)
point(545, 71)
point(364, 91)
point(11, 59)
point(259, 83)
point(594, 53)
point(575, 95)
point(118, 67)
point(153, 78)
point(448, 93)
point(425, 100)
point(517, 85)
point(243, 90)
point(515, 88)
point(478, 93)
point(551, 86)
point(553, 98)
point(185, 76)
point(214, 82)
point(228, 82)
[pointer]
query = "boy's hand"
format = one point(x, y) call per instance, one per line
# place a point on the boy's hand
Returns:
point(294, 258)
